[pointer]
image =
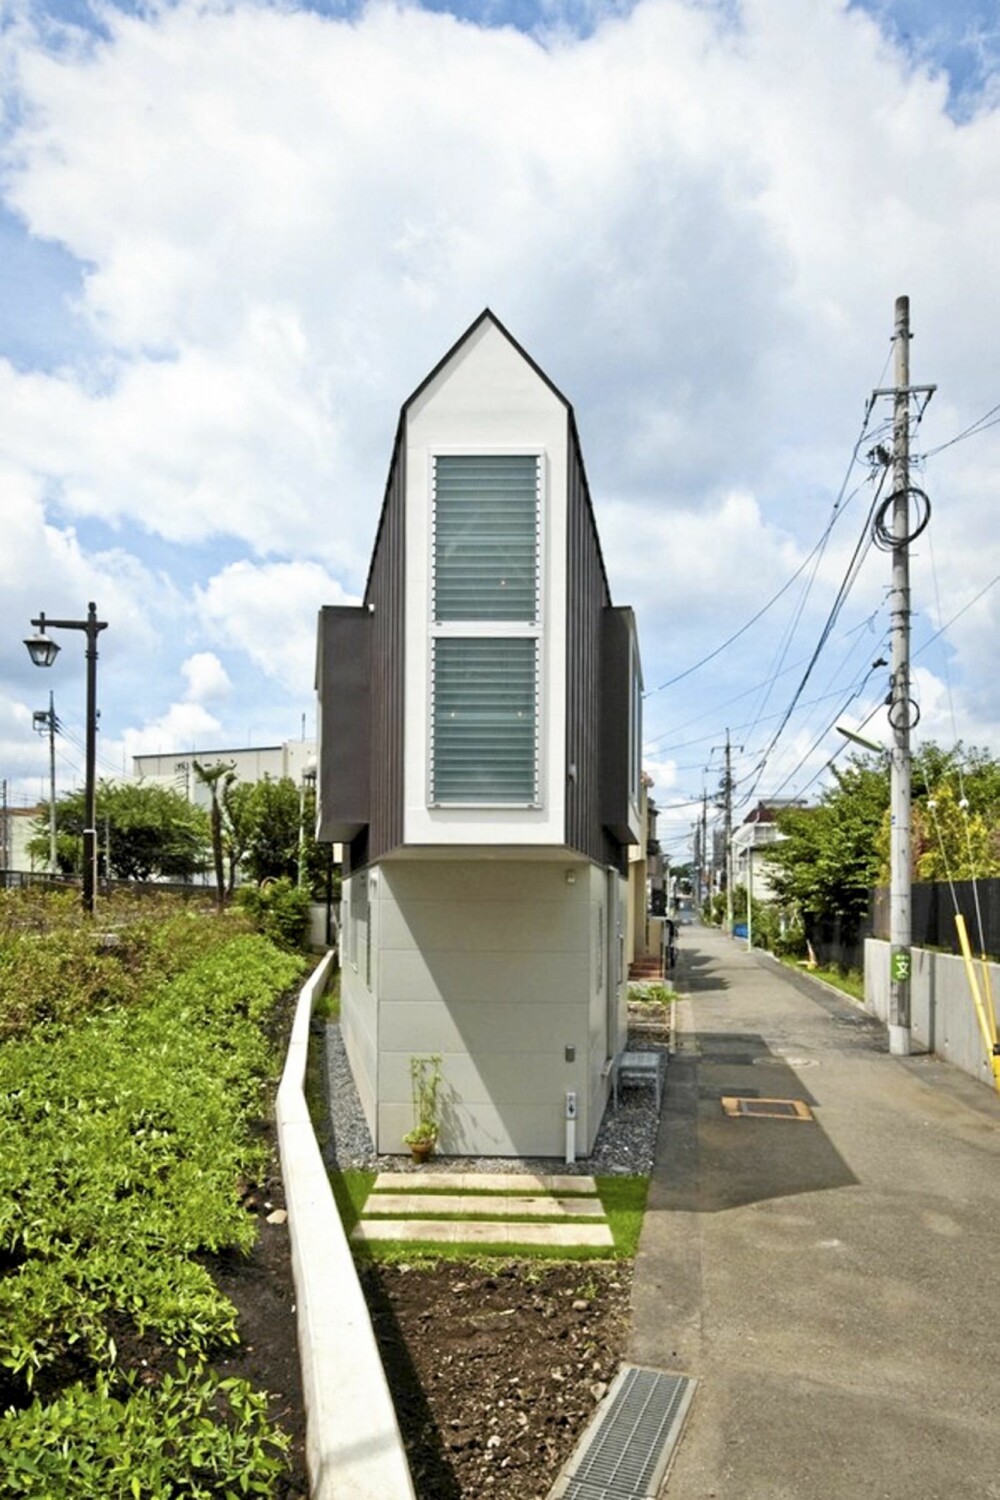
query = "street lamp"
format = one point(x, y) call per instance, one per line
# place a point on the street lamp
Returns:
point(859, 739)
point(43, 652)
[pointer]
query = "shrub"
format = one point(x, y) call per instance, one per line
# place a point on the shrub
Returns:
point(651, 994)
point(58, 966)
point(278, 909)
point(122, 1141)
point(192, 1434)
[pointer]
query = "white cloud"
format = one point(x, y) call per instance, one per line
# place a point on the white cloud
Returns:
point(206, 677)
point(269, 612)
point(696, 219)
point(184, 726)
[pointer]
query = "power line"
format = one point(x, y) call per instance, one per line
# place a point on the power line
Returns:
point(931, 639)
point(847, 582)
point(973, 430)
point(738, 697)
point(839, 506)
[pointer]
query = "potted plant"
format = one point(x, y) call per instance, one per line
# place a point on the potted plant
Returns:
point(425, 1078)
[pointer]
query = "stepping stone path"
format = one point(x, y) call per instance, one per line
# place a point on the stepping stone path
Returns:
point(435, 1208)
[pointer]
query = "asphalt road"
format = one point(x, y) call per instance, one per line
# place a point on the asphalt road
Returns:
point(831, 1283)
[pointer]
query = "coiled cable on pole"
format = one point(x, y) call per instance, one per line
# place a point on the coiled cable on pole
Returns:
point(883, 537)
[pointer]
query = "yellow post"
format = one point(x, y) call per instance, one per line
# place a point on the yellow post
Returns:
point(991, 1013)
point(986, 1023)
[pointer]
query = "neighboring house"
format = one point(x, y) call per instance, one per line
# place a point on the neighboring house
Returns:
point(480, 734)
point(751, 840)
point(251, 763)
point(18, 826)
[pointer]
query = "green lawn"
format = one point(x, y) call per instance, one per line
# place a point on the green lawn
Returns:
point(622, 1198)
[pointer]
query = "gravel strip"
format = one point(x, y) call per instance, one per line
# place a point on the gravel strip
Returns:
point(625, 1145)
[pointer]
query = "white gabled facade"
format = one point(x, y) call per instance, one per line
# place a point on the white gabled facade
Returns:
point(486, 401)
point(480, 734)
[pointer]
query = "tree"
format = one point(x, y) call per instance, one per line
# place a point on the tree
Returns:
point(830, 854)
point(270, 814)
point(956, 823)
point(144, 831)
point(212, 776)
point(833, 853)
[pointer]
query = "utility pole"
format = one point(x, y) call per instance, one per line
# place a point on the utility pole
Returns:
point(706, 864)
point(901, 707)
point(900, 932)
point(43, 720)
point(53, 842)
point(727, 808)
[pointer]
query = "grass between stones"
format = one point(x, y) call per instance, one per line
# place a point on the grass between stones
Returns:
point(623, 1203)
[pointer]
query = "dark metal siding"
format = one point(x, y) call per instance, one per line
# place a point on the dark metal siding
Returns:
point(587, 599)
point(386, 597)
point(343, 684)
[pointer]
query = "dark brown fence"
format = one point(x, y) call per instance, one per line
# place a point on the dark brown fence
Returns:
point(932, 914)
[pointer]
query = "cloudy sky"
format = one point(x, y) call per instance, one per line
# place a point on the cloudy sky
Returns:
point(234, 237)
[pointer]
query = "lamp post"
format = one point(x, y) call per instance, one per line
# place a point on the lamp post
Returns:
point(43, 651)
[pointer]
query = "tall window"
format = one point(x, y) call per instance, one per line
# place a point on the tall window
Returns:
point(485, 627)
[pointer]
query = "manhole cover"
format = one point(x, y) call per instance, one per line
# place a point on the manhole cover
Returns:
point(790, 1062)
point(766, 1109)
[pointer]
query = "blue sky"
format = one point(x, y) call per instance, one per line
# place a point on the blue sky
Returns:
point(236, 236)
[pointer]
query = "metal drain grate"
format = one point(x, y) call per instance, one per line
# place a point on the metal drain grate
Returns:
point(623, 1454)
point(767, 1109)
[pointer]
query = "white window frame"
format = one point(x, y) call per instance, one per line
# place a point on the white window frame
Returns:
point(489, 629)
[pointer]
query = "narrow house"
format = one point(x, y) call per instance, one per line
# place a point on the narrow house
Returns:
point(479, 758)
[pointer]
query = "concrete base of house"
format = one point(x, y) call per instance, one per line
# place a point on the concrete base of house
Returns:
point(510, 970)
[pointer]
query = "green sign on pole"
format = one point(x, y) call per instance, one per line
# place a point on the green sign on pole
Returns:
point(900, 964)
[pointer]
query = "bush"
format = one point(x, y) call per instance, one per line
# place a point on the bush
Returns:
point(123, 1141)
point(650, 994)
point(192, 1434)
point(278, 909)
point(57, 965)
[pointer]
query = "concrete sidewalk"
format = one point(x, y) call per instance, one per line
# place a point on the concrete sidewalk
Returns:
point(832, 1284)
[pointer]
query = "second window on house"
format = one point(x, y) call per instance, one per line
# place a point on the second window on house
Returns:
point(485, 628)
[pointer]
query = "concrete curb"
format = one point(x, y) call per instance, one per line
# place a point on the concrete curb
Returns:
point(353, 1446)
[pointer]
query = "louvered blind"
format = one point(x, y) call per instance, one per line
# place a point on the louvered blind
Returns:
point(485, 720)
point(486, 537)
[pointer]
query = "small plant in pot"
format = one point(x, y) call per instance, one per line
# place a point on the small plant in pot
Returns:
point(425, 1079)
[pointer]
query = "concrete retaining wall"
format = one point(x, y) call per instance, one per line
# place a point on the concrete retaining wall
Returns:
point(942, 1012)
point(353, 1447)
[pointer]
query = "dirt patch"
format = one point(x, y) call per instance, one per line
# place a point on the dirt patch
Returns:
point(495, 1375)
point(261, 1288)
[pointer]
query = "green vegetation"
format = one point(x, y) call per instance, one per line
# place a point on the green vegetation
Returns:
point(148, 831)
point(350, 1192)
point(640, 993)
point(623, 1201)
point(833, 853)
point(189, 1435)
point(128, 1121)
point(847, 980)
point(57, 965)
point(425, 1080)
point(257, 830)
point(278, 909)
